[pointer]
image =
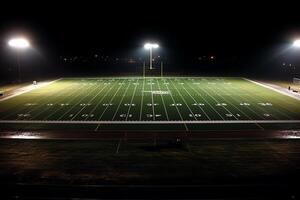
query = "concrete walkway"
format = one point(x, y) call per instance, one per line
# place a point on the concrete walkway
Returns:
point(277, 88)
point(25, 89)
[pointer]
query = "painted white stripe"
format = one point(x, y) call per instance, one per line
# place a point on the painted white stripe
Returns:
point(150, 122)
point(28, 89)
point(271, 88)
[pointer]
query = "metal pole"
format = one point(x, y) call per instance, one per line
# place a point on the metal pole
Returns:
point(19, 66)
point(150, 57)
point(161, 69)
point(144, 69)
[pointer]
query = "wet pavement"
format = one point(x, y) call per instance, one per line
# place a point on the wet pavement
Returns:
point(214, 135)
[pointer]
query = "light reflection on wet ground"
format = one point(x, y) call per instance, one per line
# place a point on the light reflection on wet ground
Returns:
point(22, 135)
point(287, 134)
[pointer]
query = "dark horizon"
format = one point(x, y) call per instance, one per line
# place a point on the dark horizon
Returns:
point(242, 40)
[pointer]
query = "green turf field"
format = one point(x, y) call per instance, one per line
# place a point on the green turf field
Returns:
point(135, 103)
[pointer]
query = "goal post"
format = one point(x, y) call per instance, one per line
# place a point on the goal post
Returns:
point(155, 71)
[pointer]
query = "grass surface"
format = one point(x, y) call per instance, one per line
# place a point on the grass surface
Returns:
point(151, 99)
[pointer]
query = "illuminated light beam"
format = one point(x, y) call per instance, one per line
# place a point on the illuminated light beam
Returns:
point(19, 43)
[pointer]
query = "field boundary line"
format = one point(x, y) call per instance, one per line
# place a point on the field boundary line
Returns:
point(151, 122)
point(271, 88)
point(30, 88)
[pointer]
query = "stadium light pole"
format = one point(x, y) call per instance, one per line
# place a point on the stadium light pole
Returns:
point(19, 44)
point(150, 46)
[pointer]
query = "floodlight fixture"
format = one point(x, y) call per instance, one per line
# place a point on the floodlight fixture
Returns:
point(150, 46)
point(19, 43)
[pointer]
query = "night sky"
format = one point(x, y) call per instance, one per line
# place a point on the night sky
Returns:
point(243, 38)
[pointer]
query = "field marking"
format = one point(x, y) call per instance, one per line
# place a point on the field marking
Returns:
point(96, 129)
point(196, 103)
point(209, 94)
point(57, 96)
point(260, 97)
point(247, 100)
point(27, 109)
point(206, 100)
point(131, 100)
point(125, 93)
point(236, 107)
point(142, 100)
point(29, 88)
point(271, 88)
point(229, 102)
point(101, 100)
point(186, 128)
point(183, 100)
point(153, 77)
point(78, 101)
point(152, 122)
point(153, 112)
point(163, 101)
point(59, 93)
point(118, 147)
point(90, 100)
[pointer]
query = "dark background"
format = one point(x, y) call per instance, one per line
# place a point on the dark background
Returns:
point(94, 39)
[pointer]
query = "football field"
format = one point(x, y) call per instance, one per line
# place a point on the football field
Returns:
point(153, 103)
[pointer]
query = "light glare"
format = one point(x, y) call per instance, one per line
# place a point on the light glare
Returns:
point(296, 43)
point(20, 43)
point(151, 45)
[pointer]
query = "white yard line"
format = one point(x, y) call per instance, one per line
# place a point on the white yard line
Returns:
point(131, 100)
point(186, 128)
point(142, 100)
point(77, 101)
point(28, 89)
point(153, 112)
point(83, 107)
point(53, 100)
point(184, 100)
point(118, 147)
point(274, 89)
point(196, 103)
point(99, 102)
point(275, 110)
point(206, 100)
point(151, 122)
point(96, 129)
point(241, 111)
point(219, 102)
point(28, 109)
point(125, 93)
point(163, 101)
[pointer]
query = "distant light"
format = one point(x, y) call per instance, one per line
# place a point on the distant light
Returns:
point(296, 43)
point(151, 45)
point(19, 43)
